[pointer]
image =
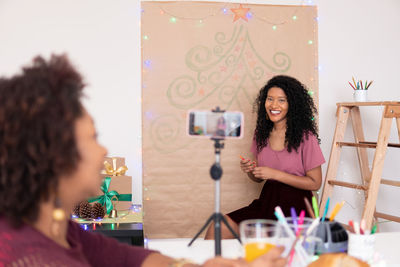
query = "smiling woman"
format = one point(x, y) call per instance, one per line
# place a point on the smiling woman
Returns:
point(286, 152)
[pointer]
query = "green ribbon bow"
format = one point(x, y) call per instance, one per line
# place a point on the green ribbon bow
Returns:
point(105, 199)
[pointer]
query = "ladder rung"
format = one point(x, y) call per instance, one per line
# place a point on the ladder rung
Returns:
point(365, 144)
point(387, 217)
point(390, 182)
point(374, 143)
point(349, 185)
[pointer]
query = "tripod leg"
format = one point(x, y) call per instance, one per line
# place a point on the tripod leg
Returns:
point(230, 228)
point(217, 234)
point(210, 219)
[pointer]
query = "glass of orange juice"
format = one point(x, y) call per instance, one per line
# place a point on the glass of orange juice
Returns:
point(258, 237)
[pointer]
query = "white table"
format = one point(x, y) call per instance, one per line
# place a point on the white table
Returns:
point(387, 244)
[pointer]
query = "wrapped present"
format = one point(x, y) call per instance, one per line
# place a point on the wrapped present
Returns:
point(114, 166)
point(116, 189)
point(115, 192)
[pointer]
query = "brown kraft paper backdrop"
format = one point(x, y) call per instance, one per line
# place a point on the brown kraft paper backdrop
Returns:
point(195, 56)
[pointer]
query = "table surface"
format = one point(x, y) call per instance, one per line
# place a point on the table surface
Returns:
point(387, 245)
point(118, 229)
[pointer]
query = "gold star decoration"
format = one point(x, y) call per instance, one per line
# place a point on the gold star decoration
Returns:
point(240, 13)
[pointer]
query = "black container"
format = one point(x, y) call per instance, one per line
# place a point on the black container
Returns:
point(334, 237)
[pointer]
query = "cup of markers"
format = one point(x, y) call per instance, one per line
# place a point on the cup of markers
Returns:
point(361, 241)
point(333, 235)
point(298, 235)
point(360, 92)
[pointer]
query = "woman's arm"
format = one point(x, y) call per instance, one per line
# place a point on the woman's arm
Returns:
point(311, 181)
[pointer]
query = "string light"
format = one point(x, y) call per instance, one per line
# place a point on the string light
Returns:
point(145, 37)
point(147, 63)
point(274, 27)
point(172, 19)
point(225, 10)
point(310, 42)
point(249, 15)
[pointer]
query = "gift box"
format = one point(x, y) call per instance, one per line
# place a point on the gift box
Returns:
point(116, 189)
point(123, 186)
point(114, 166)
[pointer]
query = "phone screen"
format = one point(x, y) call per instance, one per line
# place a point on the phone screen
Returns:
point(218, 125)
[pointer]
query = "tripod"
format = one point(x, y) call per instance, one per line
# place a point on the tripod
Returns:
point(216, 217)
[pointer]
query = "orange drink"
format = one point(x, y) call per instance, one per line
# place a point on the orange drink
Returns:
point(254, 250)
point(258, 237)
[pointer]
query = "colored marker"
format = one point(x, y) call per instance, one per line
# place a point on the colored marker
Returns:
point(294, 218)
point(315, 206)
point(309, 208)
point(281, 217)
point(356, 228)
point(354, 81)
point(351, 226)
point(301, 221)
point(326, 209)
point(335, 211)
point(369, 84)
point(363, 227)
point(374, 228)
point(241, 157)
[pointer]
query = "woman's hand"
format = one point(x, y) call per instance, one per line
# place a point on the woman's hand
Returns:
point(271, 259)
point(247, 165)
point(221, 262)
point(263, 173)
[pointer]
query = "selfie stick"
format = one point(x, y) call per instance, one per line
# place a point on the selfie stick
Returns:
point(217, 217)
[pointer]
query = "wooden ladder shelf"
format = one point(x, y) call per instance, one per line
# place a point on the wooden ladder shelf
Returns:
point(370, 178)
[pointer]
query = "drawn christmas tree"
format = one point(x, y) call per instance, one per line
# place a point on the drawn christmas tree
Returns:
point(225, 70)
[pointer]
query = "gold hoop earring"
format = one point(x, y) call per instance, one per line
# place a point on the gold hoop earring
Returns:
point(58, 216)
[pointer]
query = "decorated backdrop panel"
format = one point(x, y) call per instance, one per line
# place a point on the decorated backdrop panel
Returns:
point(199, 55)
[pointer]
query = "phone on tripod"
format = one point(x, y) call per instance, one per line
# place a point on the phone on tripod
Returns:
point(215, 124)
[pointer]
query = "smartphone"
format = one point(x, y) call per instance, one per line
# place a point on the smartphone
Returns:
point(219, 125)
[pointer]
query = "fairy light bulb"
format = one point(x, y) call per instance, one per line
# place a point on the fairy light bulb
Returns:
point(294, 17)
point(274, 27)
point(145, 37)
point(310, 42)
point(162, 12)
point(224, 10)
point(147, 63)
point(172, 19)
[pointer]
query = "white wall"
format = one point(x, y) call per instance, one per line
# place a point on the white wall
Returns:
point(358, 37)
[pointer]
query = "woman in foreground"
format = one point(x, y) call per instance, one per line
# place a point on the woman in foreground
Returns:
point(49, 161)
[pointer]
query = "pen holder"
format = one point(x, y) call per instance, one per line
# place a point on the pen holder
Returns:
point(360, 95)
point(334, 237)
point(361, 246)
point(307, 243)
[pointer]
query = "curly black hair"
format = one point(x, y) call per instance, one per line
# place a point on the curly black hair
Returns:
point(38, 111)
point(300, 116)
